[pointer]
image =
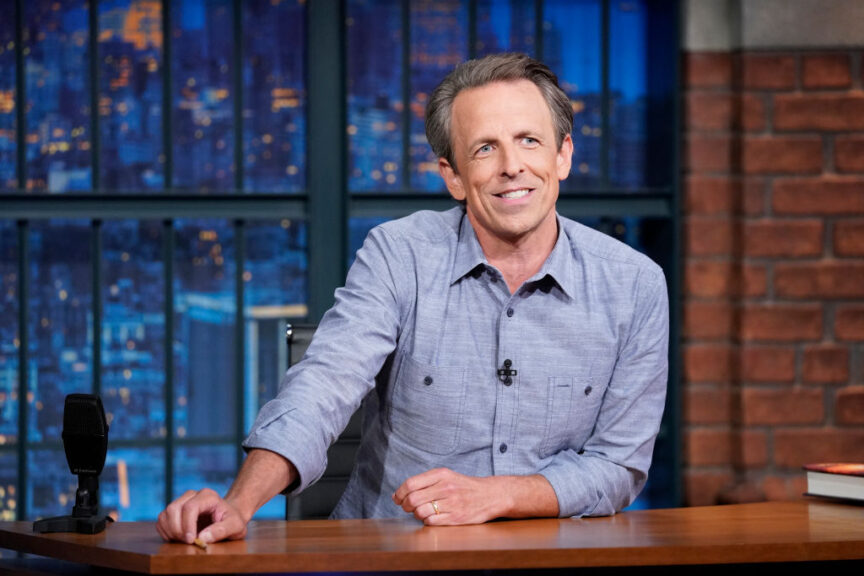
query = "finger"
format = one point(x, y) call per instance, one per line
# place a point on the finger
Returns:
point(415, 483)
point(230, 528)
point(162, 532)
point(172, 520)
point(203, 503)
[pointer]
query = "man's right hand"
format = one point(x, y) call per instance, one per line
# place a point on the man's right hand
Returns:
point(203, 514)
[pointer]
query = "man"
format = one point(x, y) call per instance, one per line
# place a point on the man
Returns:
point(511, 363)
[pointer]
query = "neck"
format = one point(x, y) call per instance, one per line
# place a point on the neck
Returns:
point(518, 259)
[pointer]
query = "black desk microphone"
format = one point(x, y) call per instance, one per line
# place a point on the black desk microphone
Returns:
point(85, 440)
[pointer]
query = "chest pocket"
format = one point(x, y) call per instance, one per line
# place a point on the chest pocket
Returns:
point(426, 406)
point(573, 403)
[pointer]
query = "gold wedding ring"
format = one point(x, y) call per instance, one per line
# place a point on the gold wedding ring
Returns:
point(435, 507)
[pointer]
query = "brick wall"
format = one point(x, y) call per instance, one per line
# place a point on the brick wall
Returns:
point(773, 219)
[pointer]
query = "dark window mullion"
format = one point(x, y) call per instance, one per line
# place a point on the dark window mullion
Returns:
point(167, 110)
point(95, 179)
point(605, 44)
point(96, 267)
point(538, 29)
point(472, 29)
point(239, 335)
point(406, 94)
point(23, 343)
point(168, 266)
point(238, 96)
point(20, 99)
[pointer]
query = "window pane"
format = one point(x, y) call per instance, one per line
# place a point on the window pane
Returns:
point(572, 49)
point(375, 104)
point(133, 329)
point(274, 95)
point(203, 109)
point(197, 467)
point(274, 276)
point(132, 484)
point(506, 27)
point(9, 335)
point(58, 98)
point(60, 331)
point(205, 401)
point(50, 486)
point(8, 485)
point(8, 178)
point(439, 41)
point(130, 95)
point(627, 83)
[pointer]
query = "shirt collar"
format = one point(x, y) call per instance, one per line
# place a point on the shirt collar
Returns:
point(558, 266)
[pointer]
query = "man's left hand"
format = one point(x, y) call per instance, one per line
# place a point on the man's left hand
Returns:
point(443, 497)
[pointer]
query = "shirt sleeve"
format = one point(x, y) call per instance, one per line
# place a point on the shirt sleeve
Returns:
point(610, 470)
point(319, 394)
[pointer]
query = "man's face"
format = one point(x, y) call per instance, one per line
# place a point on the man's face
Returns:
point(507, 159)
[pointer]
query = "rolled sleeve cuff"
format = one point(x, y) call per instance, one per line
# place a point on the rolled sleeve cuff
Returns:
point(278, 430)
point(577, 487)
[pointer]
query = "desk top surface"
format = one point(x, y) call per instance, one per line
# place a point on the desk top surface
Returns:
point(806, 530)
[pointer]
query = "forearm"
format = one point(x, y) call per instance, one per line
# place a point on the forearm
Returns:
point(524, 497)
point(264, 474)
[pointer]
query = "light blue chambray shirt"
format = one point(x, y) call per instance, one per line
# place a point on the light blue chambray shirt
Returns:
point(421, 329)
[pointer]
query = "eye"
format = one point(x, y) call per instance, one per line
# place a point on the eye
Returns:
point(529, 141)
point(485, 149)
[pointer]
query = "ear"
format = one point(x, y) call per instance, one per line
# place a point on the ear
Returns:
point(565, 157)
point(451, 180)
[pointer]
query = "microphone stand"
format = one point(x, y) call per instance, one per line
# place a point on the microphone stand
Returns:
point(85, 518)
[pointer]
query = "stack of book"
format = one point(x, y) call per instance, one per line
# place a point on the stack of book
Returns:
point(844, 480)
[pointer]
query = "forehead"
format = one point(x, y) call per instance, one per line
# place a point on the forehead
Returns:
point(511, 105)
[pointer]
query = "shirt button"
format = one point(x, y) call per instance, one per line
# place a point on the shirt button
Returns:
point(502, 448)
point(427, 380)
point(509, 312)
point(588, 390)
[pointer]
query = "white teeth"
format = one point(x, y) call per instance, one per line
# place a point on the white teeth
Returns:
point(516, 193)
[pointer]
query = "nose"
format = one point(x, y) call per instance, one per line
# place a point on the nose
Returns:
point(511, 161)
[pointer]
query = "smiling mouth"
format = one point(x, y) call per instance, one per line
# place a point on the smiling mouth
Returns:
point(515, 194)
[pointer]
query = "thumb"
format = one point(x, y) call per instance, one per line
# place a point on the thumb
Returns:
point(230, 527)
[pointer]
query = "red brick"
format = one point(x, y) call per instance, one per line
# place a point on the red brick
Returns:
point(708, 363)
point(710, 236)
point(703, 488)
point(849, 238)
point(821, 112)
point(710, 195)
point(849, 406)
point(754, 193)
point(752, 117)
point(795, 447)
point(709, 111)
point(849, 323)
point(767, 364)
point(707, 70)
point(781, 323)
point(752, 448)
point(849, 153)
point(825, 364)
point(782, 155)
point(706, 154)
point(709, 278)
point(776, 487)
point(782, 406)
point(708, 447)
point(838, 196)
point(826, 71)
point(754, 280)
point(703, 405)
point(709, 320)
point(783, 238)
point(768, 71)
point(820, 280)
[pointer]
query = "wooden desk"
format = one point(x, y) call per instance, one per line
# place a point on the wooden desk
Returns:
point(801, 531)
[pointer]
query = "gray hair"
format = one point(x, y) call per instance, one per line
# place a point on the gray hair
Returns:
point(503, 67)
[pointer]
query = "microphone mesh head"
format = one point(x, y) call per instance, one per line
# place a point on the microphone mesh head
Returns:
point(83, 414)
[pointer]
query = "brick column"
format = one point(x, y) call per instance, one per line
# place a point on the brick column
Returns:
point(774, 269)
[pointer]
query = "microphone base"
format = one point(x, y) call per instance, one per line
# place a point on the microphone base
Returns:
point(86, 525)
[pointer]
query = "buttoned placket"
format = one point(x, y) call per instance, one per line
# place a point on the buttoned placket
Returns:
point(506, 382)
